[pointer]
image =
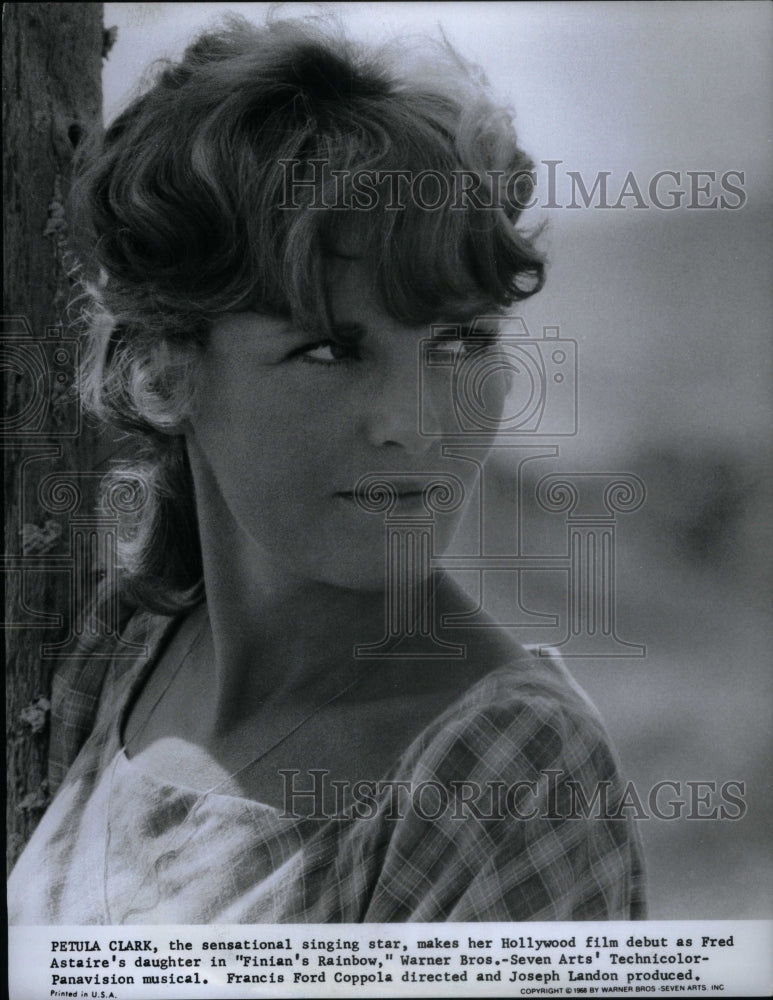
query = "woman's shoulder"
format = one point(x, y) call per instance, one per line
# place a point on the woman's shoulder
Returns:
point(516, 722)
point(515, 809)
point(510, 707)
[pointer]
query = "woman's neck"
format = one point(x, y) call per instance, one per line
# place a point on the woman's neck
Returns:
point(276, 638)
point(272, 637)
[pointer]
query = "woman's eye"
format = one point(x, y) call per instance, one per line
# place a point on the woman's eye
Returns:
point(326, 352)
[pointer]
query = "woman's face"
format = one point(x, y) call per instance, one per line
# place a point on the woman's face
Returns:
point(286, 424)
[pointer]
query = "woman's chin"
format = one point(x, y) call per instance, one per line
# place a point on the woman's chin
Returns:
point(372, 578)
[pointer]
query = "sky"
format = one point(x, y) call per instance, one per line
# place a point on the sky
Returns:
point(614, 86)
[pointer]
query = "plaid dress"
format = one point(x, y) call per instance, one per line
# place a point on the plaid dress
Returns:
point(495, 820)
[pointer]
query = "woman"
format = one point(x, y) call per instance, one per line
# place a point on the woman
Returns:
point(265, 289)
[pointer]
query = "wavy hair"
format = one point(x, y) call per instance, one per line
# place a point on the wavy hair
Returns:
point(183, 215)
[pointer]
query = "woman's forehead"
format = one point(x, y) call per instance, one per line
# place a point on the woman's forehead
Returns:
point(353, 282)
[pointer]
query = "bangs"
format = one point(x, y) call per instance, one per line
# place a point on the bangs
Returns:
point(434, 227)
point(190, 195)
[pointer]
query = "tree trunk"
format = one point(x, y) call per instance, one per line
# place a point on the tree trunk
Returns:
point(52, 96)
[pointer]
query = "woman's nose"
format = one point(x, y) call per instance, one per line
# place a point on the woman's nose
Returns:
point(404, 412)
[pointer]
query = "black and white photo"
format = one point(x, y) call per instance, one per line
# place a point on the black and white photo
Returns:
point(388, 495)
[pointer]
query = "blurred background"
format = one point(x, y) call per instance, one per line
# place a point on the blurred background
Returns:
point(671, 312)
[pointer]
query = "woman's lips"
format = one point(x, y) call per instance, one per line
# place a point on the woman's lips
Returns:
point(400, 494)
point(404, 497)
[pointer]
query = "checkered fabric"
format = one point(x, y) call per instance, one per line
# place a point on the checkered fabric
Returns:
point(121, 846)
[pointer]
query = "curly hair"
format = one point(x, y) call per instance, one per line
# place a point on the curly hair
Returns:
point(183, 215)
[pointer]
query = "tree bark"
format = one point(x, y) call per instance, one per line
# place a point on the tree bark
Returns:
point(52, 96)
